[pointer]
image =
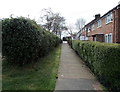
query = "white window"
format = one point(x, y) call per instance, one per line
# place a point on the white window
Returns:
point(93, 27)
point(109, 18)
point(98, 23)
point(89, 29)
point(108, 38)
point(86, 38)
point(82, 37)
point(95, 38)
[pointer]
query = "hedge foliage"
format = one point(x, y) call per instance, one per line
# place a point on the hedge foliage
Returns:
point(69, 41)
point(24, 41)
point(103, 59)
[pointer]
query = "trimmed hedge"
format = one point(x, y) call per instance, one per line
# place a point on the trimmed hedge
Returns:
point(103, 59)
point(69, 41)
point(24, 41)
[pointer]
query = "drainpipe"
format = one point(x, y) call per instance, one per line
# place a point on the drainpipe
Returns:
point(114, 27)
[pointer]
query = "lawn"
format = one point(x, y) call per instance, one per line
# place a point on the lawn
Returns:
point(39, 76)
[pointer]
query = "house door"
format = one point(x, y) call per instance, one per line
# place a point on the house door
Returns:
point(94, 38)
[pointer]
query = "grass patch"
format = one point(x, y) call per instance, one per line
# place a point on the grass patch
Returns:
point(38, 76)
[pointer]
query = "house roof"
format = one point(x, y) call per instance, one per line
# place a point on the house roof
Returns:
point(118, 6)
point(95, 20)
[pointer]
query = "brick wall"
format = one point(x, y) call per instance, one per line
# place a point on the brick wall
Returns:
point(111, 27)
point(118, 25)
point(116, 31)
point(104, 29)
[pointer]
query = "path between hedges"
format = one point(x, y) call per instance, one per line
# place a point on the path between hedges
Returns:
point(74, 74)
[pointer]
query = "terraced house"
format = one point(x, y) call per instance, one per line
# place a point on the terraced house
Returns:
point(104, 28)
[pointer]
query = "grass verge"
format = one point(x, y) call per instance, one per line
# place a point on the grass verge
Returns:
point(38, 76)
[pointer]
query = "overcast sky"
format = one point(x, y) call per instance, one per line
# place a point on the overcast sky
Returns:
point(70, 9)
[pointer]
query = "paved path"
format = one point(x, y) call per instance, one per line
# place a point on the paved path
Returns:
point(73, 74)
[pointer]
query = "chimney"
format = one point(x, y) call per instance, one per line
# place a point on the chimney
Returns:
point(97, 16)
point(119, 3)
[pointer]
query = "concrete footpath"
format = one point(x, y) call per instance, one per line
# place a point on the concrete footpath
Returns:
point(74, 74)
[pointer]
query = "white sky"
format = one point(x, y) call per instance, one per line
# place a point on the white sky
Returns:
point(70, 9)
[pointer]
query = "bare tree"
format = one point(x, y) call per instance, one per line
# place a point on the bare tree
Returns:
point(58, 24)
point(53, 22)
point(47, 18)
point(80, 23)
point(70, 29)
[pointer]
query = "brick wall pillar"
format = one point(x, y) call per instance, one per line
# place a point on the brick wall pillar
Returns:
point(117, 24)
point(114, 26)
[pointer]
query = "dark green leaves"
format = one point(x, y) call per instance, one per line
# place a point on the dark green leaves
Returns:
point(103, 59)
point(24, 41)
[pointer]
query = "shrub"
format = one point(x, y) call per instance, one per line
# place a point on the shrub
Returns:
point(69, 40)
point(103, 59)
point(24, 41)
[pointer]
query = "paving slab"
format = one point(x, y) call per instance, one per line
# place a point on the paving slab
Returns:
point(74, 74)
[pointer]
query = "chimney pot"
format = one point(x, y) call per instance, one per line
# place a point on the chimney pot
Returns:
point(97, 16)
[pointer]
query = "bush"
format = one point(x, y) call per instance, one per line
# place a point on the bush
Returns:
point(24, 41)
point(103, 59)
point(69, 40)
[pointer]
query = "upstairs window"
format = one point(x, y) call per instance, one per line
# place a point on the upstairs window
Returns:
point(89, 29)
point(98, 23)
point(93, 27)
point(85, 28)
point(109, 18)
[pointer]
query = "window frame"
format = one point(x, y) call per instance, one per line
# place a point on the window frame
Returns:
point(89, 29)
point(108, 38)
point(93, 27)
point(109, 18)
point(99, 23)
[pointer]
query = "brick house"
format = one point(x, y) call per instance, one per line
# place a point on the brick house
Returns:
point(104, 28)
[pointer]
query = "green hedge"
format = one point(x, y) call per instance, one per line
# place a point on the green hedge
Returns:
point(103, 59)
point(24, 41)
point(69, 40)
